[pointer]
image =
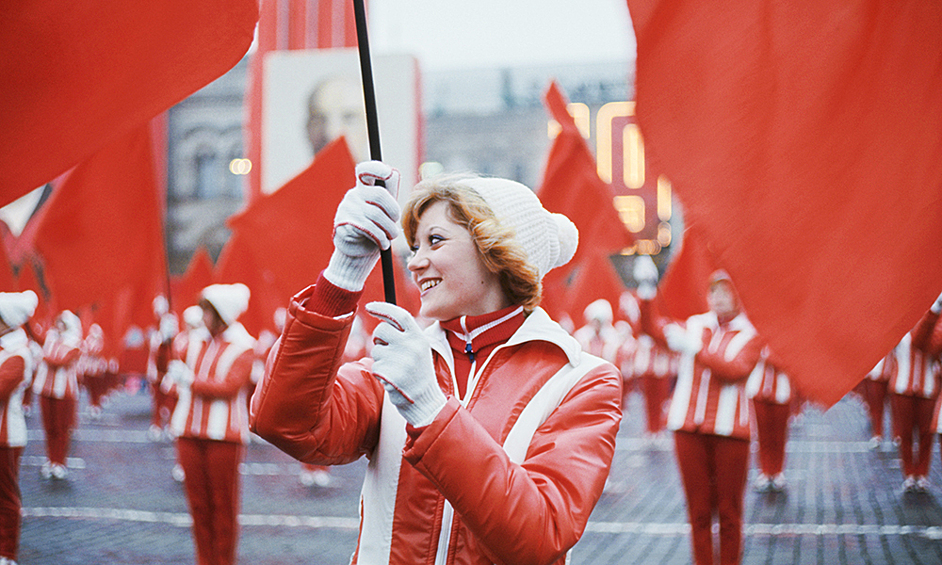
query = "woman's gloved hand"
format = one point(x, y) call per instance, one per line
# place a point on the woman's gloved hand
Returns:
point(365, 222)
point(402, 361)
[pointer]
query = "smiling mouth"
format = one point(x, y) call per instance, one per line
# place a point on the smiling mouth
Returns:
point(430, 284)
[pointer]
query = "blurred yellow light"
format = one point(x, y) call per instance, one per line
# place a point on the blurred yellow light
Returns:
point(663, 198)
point(631, 211)
point(633, 156)
point(240, 166)
point(664, 234)
point(603, 132)
point(579, 113)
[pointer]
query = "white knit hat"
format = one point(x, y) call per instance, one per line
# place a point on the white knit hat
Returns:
point(600, 310)
point(229, 300)
point(17, 307)
point(549, 239)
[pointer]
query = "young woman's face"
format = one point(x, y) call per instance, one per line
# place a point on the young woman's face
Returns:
point(447, 268)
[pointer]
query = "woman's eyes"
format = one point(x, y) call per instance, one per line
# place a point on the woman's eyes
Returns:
point(433, 241)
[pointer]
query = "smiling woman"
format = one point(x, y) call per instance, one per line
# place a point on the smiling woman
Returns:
point(490, 433)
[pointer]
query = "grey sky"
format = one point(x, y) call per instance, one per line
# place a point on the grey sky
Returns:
point(447, 35)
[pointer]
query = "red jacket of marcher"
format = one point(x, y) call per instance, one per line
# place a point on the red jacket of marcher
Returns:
point(917, 362)
point(710, 395)
point(513, 476)
point(57, 376)
point(214, 405)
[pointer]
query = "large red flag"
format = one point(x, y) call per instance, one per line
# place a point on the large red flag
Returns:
point(101, 233)
point(804, 140)
point(286, 235)
point(77, 75)
point(595, 279)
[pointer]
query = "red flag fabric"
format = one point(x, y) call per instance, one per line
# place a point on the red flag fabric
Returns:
point(28, 280)
point(8, 282)
point(101, 233)
point(682, 291)
point(77, 75)
point(286, 235)
point(804, 141)
point(185, 289)
point(595, 279)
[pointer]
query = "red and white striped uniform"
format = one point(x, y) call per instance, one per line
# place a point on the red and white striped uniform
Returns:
point(917, 370)
point(16, 368)
point(710, 395)
point(768, 383)
point(214, 406)
point(57, 376)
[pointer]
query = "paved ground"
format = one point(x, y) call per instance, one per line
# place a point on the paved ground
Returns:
point(121, 506)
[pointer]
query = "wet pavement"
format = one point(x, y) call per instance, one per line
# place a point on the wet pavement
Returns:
point(120, 504)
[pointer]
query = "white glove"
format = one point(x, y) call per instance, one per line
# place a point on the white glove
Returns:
point(645, 272)
point(682, 341)
point(180, 373)
point(936, 307)
point(365, 222)
point(402, 361)
point(168, 327)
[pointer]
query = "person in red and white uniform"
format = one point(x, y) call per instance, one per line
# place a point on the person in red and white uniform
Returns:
point(491, 433)
point(92, 369)
point(772, 401)
point(16, 370)
point(56, 385)
point(210, 421)
point(598, 336)
point(709, 412)
point(914, 389)
point(875, 388)
point(649, 366)
point(158, 356)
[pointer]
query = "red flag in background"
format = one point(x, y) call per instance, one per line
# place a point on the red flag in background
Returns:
point(185, 290)
point(28, 280)
point(596, 278)
point(282, 241)
point(101, 235)
point(77, 75)
point(283, 25)
point(682, 291)
point(571, 186)
point(804, 140)
point(8, 282)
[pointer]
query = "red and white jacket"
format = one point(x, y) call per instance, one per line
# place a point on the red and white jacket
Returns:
point(16, 368)
point(214, 405)
point(768, 383)
point(540, 420)
point(57, 376)
point(640, 356)
point(917, 363)
point(710, 395)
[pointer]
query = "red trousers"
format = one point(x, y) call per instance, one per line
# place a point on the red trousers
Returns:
point(163, 406)
point(875, 396)
point(10, 501)
point(212, 489)
point(912, 418)
point(656, 391)
point(58, 419)
point(713, 470)
point(772, 434)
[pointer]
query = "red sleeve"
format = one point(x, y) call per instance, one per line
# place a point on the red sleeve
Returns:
point(11, 375)
point(735, 369)
point(238, 376)
point(307, 404)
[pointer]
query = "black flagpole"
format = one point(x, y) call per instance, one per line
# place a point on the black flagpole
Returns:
point(372, 127)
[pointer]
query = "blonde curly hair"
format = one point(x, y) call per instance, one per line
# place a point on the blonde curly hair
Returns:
point(496, 243)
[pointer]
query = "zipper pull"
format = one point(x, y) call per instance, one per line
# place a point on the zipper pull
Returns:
point(469, 351)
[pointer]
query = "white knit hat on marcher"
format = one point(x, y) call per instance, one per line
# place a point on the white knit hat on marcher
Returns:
point(549, 239)
point(17, 307)
point(229, 300)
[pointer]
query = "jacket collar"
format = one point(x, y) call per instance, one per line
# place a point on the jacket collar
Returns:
point(538, 326)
